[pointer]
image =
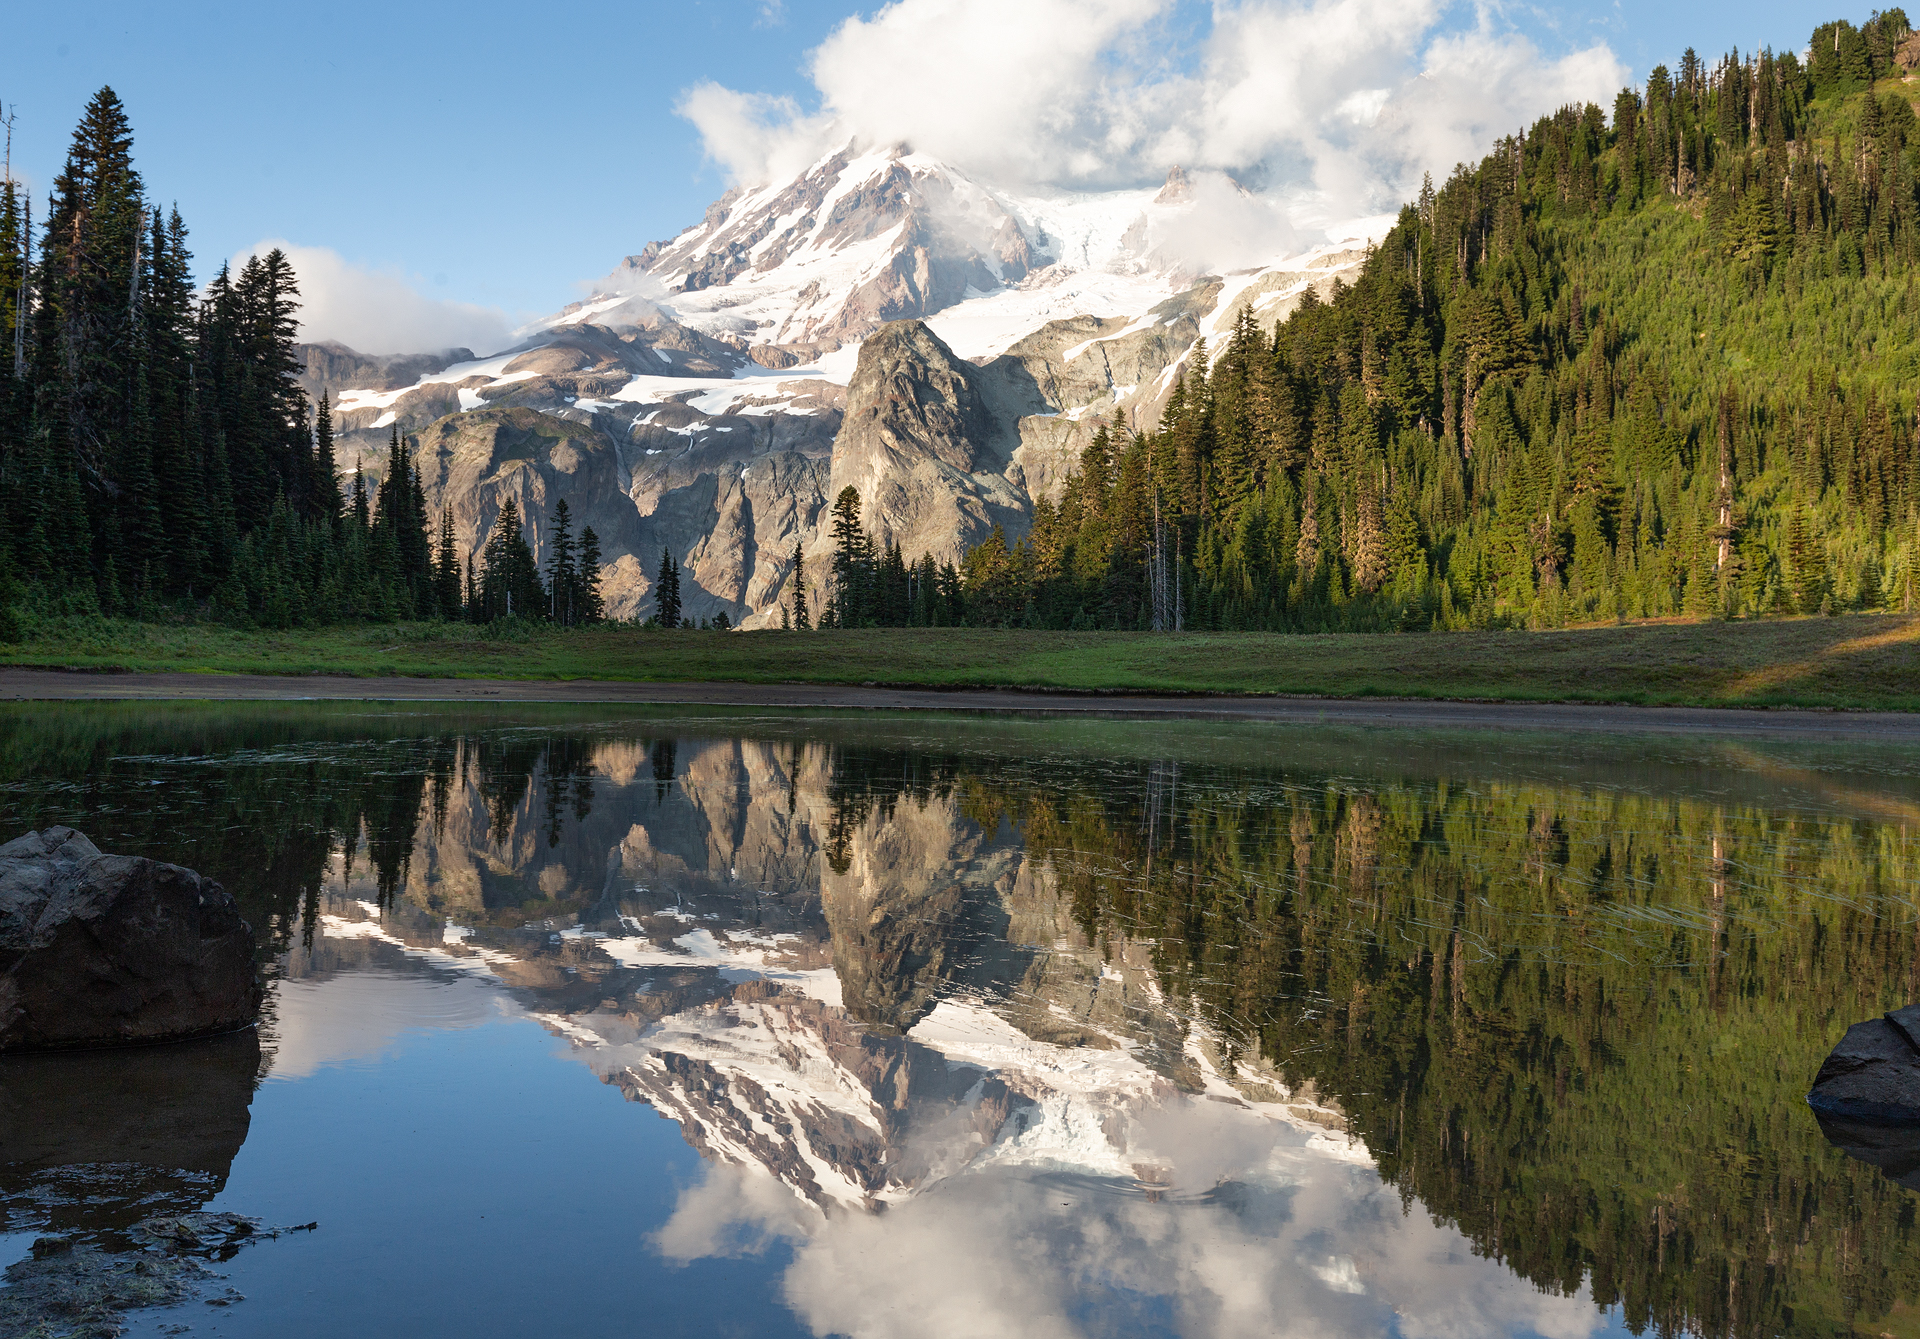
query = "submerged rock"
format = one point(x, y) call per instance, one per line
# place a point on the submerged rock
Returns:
point(102, 950)
point(78, 1291)
point(69, 1288)
point(1874, 1073)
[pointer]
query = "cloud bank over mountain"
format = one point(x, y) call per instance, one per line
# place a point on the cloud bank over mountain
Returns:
point(379, 311)
point(1337, 106)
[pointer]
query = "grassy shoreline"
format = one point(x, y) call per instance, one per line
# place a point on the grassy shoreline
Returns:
point(1867, 662)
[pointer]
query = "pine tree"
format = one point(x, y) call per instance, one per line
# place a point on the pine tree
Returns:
point(562, 579)
point(666, 593)
point(446, 568)
point(852, 562)
point(591, 606)
point(509, 579)
point(328, 504)
point(11, 627)
point(800, 618)
point(1806, 562)
point(89, 267)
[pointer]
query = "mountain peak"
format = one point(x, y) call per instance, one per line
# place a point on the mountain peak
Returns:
point(1178, 190)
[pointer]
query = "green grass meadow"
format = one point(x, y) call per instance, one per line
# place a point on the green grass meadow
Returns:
point(1860, 661)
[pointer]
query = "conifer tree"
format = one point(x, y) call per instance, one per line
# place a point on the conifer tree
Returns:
point(11, 627)
point(562, 579)
point(328, 504)
point(666, 592)
point(510, 584)
point(853, 562)
point(446, 568)
point(362, 503)
point(591, 606)
point(800, 618)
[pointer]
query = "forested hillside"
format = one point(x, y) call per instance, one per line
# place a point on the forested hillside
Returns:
point(1660, 366)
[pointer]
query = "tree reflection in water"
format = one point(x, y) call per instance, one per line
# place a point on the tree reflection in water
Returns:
point(1569, 1007)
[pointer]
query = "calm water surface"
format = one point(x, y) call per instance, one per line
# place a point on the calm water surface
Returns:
point(610, 1023)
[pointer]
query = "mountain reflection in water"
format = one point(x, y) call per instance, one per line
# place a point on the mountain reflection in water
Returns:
point(1074, 1028)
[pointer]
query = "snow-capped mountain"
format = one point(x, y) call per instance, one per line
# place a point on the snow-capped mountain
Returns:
point(791, 271)
point(718, 388)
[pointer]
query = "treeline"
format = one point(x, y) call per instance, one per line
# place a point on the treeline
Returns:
point(157, 452)
point(1659, 367)
point(870, 585)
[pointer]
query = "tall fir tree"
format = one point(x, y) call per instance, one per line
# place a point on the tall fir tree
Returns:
point(563, 577)
point(591, 604)
point(329, 506)
point(510, 584)
point(447, 585)
point(800, 619)
point(666, 591)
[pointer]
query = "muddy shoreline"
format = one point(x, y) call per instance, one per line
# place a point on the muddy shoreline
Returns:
point(61, 685)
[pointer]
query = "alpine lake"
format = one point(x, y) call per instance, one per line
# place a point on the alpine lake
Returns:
point(605, 1021)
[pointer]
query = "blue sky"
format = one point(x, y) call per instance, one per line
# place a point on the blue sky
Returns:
point(500, 154)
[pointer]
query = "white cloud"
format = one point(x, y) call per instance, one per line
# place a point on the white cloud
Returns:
point(339, 1020)
point(754, 136)
point(379, 311)
point(1284, 1243)
point(1338, 103)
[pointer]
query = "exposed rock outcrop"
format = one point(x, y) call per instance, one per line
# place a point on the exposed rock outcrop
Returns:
point(921, 444)
point(473, 462)
point(99, 950)
point(1874, 1073)
point(333, 367)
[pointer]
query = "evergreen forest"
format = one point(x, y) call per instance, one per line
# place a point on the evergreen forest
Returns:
point(157, 452)
point(1661, 363)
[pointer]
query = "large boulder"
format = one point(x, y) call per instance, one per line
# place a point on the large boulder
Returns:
point(103, 950)
point(1874, 1073)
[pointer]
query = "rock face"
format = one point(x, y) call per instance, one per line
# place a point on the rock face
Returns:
point(101, 950)
point(921, 443)
point(1874, 1073)
point(474, 462)
point(333, 367)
